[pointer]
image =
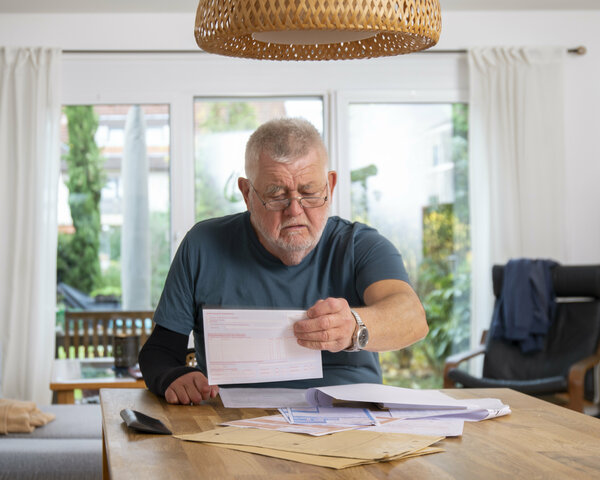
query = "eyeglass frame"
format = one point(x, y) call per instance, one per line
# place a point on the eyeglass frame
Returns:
point(289, 200)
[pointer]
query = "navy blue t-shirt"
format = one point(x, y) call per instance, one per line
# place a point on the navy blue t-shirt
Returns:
point(221, 262)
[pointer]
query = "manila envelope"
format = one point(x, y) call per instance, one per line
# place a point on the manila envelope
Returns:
point(357, 444)
point(320, 460)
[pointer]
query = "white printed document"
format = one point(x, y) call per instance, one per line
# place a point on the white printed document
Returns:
point(254, 346)
point(329, 416)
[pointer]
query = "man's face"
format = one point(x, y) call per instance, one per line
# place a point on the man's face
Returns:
point(289, 234)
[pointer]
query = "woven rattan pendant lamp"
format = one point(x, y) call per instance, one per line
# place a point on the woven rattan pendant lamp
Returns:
point(316, 29)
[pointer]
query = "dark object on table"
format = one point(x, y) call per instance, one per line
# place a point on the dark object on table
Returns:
point(143, 423)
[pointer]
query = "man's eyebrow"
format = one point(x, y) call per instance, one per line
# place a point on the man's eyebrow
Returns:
point(307, 186)
point(272, 189)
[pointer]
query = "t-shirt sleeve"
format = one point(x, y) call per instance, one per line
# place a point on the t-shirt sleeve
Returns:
point(176, 308)
point(376, 258)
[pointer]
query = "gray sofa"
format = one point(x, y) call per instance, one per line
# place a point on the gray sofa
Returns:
point(69, 447)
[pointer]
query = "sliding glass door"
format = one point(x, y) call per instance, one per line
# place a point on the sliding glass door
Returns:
point(408, 172)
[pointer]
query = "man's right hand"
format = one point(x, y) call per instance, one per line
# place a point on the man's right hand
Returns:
point(192, 387)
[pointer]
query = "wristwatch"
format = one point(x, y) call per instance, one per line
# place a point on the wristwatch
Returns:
point(361, 334)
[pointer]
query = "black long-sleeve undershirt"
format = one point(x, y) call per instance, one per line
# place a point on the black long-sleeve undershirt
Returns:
point(162, 359)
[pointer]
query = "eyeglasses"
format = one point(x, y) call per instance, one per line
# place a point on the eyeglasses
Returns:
point(282, 204)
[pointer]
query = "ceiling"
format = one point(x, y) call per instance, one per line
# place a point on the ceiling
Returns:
point(182, 6)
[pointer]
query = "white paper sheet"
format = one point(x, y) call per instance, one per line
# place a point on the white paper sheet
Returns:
point(263, 397)
point(254, 346)
point(477, 409)
point(389, 396)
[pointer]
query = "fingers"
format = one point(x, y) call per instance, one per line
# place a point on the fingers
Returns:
point(328, 305)
point(171, 396)
point(329, 326)
point(331, 340)
point(192, 387)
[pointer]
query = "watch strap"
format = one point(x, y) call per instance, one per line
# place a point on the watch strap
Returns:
point(355, 347)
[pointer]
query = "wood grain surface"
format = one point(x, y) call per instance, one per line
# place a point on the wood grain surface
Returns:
point(537, 440)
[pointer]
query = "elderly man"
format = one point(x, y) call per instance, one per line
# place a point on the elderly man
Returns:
point(285, 252)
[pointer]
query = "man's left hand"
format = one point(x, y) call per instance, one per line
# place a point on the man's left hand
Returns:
point(330, 326)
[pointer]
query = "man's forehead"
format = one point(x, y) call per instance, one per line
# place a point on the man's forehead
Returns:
point(303, 171)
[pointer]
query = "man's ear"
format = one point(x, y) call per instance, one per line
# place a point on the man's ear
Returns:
point(244, 186)
point(332, 179)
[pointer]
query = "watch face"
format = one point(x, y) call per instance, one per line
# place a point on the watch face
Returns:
point(363, 337)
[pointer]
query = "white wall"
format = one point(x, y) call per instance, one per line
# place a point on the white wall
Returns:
point(205, 74)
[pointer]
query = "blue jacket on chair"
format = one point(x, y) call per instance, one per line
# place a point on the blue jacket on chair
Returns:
point(525, 309)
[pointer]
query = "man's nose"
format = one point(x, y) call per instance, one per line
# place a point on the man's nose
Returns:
point(294, 208)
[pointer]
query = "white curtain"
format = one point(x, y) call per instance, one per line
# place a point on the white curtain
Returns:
point(29, 168)
point(517, 160)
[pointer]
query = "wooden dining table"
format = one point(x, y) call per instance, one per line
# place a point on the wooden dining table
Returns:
point(537, 440)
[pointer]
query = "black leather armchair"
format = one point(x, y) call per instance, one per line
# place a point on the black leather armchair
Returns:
point(571, 353)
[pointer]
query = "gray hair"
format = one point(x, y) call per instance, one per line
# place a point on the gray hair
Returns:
point(284, 140)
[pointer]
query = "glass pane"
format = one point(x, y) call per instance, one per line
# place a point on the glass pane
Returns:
point(114, 207)
point(409, 174)
point(222, 128)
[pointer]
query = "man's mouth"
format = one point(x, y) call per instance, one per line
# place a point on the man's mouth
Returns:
point(292, 228)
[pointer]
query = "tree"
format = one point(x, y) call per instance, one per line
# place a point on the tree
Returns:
point(78, 262)
point(228, 116)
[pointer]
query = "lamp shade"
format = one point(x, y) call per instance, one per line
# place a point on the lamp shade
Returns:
point(316, 29)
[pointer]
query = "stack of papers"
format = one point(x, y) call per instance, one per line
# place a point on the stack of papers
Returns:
point(316, 411)
point(312, 427)
point(404, 403)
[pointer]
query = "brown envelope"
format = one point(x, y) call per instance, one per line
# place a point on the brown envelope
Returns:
point(356, 444)
point(320, 460)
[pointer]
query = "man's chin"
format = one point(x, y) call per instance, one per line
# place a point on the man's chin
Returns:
point(295, 240)
point(296, 246)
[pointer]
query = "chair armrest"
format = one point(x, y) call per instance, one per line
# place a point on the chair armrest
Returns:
point(454, 360)
point(576, 381)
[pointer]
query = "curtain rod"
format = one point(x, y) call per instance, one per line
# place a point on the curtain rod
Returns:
point(581, 50)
